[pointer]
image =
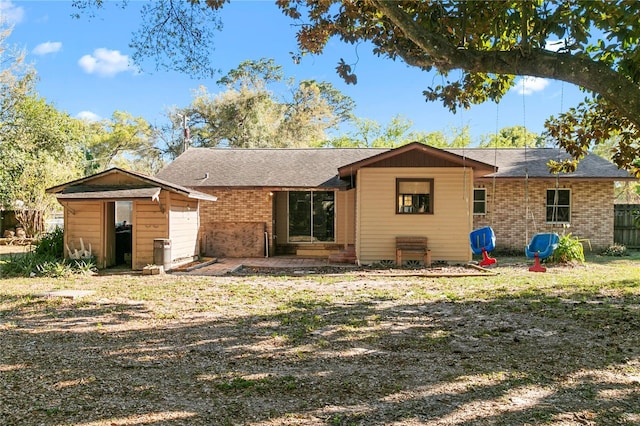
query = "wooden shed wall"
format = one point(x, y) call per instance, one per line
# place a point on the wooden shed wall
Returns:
point(184, 224)
point(149, 223)
point(447, 230)
point(83, 219)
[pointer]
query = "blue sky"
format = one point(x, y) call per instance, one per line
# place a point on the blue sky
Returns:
point(83, 67)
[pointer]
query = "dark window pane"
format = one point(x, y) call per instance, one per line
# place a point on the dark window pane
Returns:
point(563, 197)
point(323, 216)
point(311, 216)
point(299, 216)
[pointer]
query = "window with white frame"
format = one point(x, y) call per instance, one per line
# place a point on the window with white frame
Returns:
point(415, 196)
point(479, 201)
point(558, 205)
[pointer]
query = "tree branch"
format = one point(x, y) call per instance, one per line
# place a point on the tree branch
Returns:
point(597, 77)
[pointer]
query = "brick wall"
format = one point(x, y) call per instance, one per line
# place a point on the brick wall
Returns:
point(591, 212)
point(238, 206)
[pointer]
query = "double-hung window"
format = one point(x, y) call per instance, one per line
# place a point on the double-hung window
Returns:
point(558, 205)
point(479, 201)
point(414, 196)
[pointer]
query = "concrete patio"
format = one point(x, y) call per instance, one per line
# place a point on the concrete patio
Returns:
point(225, 266)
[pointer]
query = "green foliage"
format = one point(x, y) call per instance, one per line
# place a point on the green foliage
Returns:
point(123, 141)
point(53, 269)
point(51, 244)
point(371, 134)
point(592, 44)
point(31, 264)
point(21, 265)
point(569, 250)
point(636, 218)
point(249, 114)
point(616, 250)
point(512, 137)
point(83, 266)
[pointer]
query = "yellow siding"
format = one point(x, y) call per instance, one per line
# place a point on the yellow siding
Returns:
point(345, 219)
point(149, 223)
point(447, 229)
point(83, 219)
point(282, 219)
point(183, 218)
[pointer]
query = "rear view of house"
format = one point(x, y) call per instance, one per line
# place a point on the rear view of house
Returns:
point(348, 204)
point(315, 202)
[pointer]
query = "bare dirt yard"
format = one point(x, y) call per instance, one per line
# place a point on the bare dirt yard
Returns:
point(355, 348)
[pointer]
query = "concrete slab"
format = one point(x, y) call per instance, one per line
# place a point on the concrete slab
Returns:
point(229, 265)
point(67, 294)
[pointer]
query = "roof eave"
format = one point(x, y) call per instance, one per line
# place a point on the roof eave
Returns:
point(479, 167)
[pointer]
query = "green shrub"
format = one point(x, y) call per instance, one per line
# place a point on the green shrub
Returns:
point(20, 264)
point(569, 250)
point(51, 244)
point(83, 266)
point(32, 264)
point(615, 250)
point(53, 269)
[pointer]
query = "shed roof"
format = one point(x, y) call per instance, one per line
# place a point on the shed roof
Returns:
point(100, 193)
point(145, 187)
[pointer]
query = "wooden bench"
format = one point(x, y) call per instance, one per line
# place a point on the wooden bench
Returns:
point(413, 245)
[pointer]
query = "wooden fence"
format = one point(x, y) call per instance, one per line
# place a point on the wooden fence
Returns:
point(625, 232)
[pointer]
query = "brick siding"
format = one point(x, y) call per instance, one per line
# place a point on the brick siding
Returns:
point(238, 205)
point(591, 212)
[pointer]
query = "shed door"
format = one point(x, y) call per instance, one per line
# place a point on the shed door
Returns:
point(109, 238)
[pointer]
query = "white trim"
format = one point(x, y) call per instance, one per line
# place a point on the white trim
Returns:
point(473, 202)
point(546, 206)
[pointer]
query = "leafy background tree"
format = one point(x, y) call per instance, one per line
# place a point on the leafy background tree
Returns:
point(491, 42)
point(512, 137)
point(249, 113)
point(122, 141)
point(41, 146)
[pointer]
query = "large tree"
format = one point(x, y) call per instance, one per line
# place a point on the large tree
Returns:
point(38, 148)
point(592, 44)
point(38, 144)
point(248, 113)
point(124, 141)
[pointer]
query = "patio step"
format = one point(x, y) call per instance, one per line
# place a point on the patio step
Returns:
point(315, 252)
point(347, 255)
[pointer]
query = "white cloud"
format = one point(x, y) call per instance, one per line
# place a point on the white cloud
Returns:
point(105, 63)
point(10, 13)
point(528, 85)
point(47, 47)
point(88, 116)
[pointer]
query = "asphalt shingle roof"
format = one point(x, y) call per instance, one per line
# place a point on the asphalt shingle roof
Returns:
point(318, 167)
point(300, 168)
point(515, 162)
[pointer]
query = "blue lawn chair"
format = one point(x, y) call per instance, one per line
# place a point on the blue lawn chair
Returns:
point(483, 241)
point(541, 247)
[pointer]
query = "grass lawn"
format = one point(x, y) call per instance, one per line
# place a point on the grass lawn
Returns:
point(514, 348)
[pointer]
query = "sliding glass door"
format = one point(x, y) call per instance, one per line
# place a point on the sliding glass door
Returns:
point(311, 216)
